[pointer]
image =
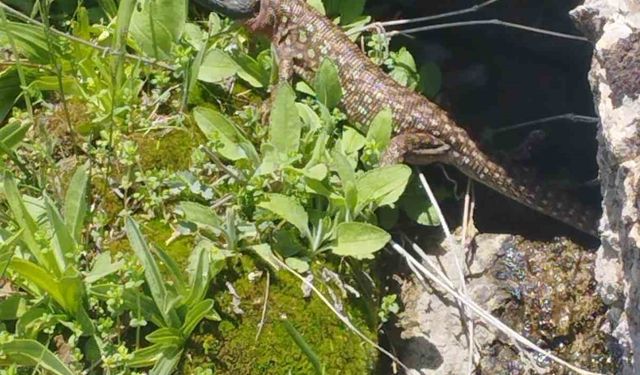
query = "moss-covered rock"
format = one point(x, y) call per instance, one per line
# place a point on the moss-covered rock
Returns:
point(231, 346)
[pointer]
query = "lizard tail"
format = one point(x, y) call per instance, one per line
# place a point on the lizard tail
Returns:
point(521, 185)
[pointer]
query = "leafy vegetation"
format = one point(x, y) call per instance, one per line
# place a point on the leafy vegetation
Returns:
point(140, 191)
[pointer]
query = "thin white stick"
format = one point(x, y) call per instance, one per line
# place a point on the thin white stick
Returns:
point(472, 9)
point(264, 306)
point(433, 200)
point(485, 315)
point(488, 22)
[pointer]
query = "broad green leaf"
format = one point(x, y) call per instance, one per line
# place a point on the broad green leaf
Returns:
point(23, 218)
point(157, 25)
point(200, 215)
point(381, 129)
point(195, 314)
point(217, 66)
point(350, 10)
point(405, 71)
point(327, 84)
point(382, 186)
point(297, 264)
point(217, 127)
point(285, 124)
point(166, 337)
point(264, 251)
point(167, 362)
point(12, 307)
point(31, 353)
point(9, 92)
point(63, 245)
point(154, 278)
point(42, 279)
point(252, 71)
point(30, 40)
point(75, 202)
point(7, 247)
point(352, 141)
point(360, 240)
point(317, 172)
point(288, 209)
point(417, 206)
point(12, 134)
point(308, 116)
point(348, 178)
point(102, 267)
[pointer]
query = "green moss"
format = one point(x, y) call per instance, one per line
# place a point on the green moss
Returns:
point(230, 347)
point(171, 151)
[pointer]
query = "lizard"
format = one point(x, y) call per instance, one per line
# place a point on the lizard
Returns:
point(423, 132)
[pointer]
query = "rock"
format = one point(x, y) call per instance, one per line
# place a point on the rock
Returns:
point(543, 290)
point(614, 28)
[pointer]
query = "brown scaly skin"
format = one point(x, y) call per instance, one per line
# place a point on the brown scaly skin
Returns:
point(424, 133)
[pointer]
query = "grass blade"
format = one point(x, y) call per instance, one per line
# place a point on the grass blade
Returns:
point(303, 345)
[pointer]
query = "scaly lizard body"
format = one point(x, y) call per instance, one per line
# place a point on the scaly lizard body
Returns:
point(424, 132)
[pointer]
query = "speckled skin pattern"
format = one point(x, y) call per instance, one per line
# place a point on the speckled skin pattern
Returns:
point(424, 133)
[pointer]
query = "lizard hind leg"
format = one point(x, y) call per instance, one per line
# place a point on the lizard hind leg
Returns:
point(415, 148)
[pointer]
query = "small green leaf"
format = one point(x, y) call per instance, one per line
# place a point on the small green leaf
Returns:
point(217, 127)
point(381, 129)
point(157, 25)
point(417, 206)
point(288, 209)
point(75, 209)
point(327, 84)
point(200, 215)
point(285, 125)
point(382, 186)
point(352, 141)
point(297, 264)
point(102, 267)
point(251, 70)
point(360, 240)
point(217, 66)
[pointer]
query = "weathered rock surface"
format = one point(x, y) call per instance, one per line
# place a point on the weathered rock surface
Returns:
point(543, 290)
point(614, 27)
